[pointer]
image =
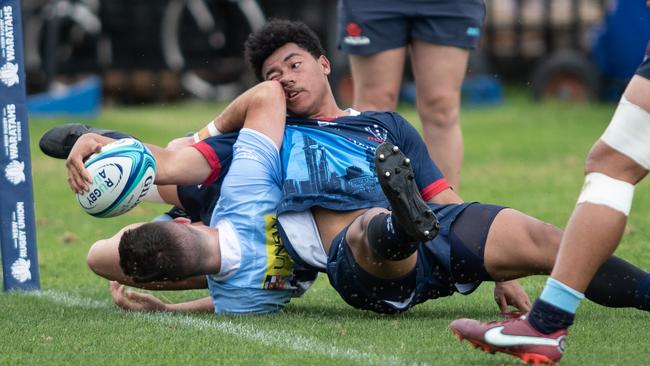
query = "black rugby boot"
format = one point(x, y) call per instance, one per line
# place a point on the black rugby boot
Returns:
point(58, 141)
point(397, 180)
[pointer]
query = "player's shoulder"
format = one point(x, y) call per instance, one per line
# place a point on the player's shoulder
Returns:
point(384, 117)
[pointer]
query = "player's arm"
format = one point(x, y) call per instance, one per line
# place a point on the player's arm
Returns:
point(184, 166)
point(445, 197)
point(131, 300)
point(233, 116)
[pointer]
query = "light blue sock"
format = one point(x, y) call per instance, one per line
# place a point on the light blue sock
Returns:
point(562, 296)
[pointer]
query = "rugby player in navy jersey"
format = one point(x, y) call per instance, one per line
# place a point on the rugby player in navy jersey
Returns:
point(332, 213)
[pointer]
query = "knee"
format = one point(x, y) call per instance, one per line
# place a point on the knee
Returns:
point(439, 109)
point(604, 159)
point(376, 99)
point(598, 157)
point(358, 231)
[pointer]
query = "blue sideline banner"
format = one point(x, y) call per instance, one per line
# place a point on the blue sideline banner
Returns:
point(17, 224)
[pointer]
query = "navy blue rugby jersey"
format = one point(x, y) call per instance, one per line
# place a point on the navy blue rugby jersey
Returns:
point(329, 163)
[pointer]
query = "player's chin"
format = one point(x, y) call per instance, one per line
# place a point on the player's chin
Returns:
point(300, 108)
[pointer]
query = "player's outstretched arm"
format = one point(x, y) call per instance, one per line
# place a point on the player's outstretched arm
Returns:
point(130, 300)
point(185, 166)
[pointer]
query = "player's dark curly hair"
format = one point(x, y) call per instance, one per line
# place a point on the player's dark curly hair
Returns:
point(152, 252)
point(275, 34)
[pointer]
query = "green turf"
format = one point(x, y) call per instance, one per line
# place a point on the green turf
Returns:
point(528, 156)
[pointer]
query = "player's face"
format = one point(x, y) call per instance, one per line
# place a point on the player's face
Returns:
point(303, 77)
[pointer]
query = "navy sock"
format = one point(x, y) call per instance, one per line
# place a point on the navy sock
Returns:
point(547, 318)
point(619, 284)
point(387, 240)
point(642, 294)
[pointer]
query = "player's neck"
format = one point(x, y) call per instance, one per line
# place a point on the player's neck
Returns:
point(329, 110)
point(210, 255)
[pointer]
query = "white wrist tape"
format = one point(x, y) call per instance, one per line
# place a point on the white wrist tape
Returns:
point(604, 190)
point(629, 132)
point(212, 129)
point(196, 137)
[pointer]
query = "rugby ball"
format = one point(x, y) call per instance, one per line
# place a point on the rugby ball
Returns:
point(122, 173)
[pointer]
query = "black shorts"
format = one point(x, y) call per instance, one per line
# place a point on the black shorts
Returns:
point(644, 68)
point(442, 263)
point(371, 26)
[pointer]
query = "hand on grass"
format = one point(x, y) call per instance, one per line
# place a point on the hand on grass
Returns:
point(78, 176)
point(131, 300)
point(510, 293)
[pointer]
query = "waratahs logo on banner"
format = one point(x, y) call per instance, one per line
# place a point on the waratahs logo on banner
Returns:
point(15, 172)
point(21, 271)
point(8, 71)
point(9, 74)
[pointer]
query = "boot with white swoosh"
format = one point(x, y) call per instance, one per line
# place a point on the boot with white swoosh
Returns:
point(513, 336)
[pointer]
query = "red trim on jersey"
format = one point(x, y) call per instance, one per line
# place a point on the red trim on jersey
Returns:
point(434, 188)
point(213, 160)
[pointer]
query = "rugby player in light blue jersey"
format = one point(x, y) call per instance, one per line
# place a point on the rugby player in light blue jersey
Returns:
point(246, 267)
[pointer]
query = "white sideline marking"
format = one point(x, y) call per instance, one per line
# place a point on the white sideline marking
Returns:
point(268, 338)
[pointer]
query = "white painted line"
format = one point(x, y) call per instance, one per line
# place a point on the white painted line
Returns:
point(271, 338)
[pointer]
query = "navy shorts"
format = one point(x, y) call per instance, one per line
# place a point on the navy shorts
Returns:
point(467, 238)
point(371, 26)
point(199, 201)
point(644, 68)
point(441, 263)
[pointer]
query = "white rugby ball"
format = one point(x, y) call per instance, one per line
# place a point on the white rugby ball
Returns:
point(122, 173)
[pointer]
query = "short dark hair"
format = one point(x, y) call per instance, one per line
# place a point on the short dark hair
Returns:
point(153, 252)
point(275, 34)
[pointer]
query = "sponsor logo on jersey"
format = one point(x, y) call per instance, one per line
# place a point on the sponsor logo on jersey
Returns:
point(473, 31)
point(278, 263)
point(380, 133)
point(354, 35)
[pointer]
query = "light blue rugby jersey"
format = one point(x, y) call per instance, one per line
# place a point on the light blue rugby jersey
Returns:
point(249, 198)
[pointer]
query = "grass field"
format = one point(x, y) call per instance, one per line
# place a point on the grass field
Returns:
point(524, 155)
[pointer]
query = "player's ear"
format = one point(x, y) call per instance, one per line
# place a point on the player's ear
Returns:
point(183, 220)
point(324, 64)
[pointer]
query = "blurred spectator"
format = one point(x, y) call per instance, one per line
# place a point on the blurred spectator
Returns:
point(438, 34)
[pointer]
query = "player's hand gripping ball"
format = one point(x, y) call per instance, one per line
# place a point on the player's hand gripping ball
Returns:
point(122, 173)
